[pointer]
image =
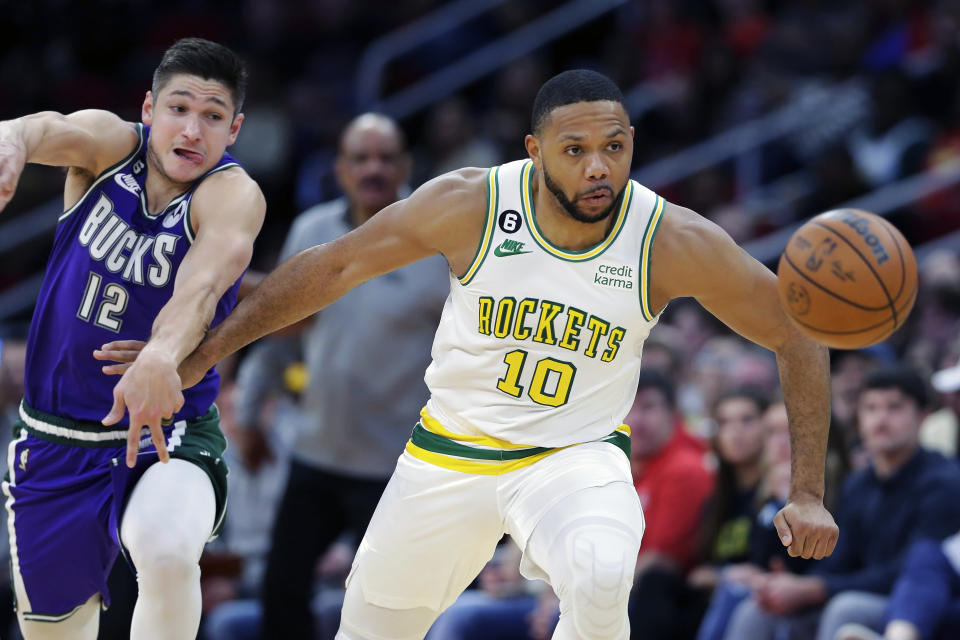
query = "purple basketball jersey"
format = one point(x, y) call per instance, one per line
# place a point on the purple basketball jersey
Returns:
point(111, 270)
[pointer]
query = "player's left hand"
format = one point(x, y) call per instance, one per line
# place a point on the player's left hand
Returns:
point(806, 528)
point(150, 391)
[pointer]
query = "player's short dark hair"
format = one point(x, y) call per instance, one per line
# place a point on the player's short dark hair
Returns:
point(904, 379)
point(569, 87)
point(656, 379)
point(208, 60)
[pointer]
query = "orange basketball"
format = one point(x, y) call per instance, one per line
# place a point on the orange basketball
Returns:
point(848, 278)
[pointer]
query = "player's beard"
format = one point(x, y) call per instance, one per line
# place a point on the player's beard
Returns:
point(571, 208)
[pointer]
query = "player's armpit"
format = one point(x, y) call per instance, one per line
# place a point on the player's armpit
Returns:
point(692, 256)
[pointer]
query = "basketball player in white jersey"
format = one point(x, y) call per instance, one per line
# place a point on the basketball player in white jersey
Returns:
point(560, 266)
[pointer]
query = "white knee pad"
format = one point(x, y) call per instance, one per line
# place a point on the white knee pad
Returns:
point(600, 556)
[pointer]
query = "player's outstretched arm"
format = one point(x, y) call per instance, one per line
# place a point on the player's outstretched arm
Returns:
point(228, 210)
point(89, 140)
point(445, 215)
point(694, 257)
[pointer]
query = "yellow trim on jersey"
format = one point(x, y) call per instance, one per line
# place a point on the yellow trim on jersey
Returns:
point(432, 425)
point(648, 235)
point(457, 457)
point(483, 467)
point(493, 202)
point(526, 190)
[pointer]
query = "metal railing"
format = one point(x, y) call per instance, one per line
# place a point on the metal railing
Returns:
point(882, 201)
point(474, 65)
point(810, 105)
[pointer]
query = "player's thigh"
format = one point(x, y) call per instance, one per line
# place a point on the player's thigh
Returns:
point(171, 511)
point(430, 535)
point(586, 481)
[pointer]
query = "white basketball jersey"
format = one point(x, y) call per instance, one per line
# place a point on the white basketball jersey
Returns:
point(538, 345)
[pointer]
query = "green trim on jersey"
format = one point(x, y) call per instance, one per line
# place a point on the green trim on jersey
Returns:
point(526, 191)
point(106, 174)
point(493, 203)
point(438, 444)
point(656, 215)
point(430, 441)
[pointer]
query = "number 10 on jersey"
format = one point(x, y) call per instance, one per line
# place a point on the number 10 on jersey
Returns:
point(546, 371)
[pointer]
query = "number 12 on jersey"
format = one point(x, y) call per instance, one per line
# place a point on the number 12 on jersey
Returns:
point(545, 372)
point(112, 305)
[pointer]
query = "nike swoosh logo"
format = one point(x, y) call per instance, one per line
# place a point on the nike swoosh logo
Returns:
point(500, 253)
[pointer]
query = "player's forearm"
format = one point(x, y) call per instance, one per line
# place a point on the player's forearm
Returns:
point(13, 134)
point(183, 321)
point(27, 132)
point(298, 288)
point(805, 376)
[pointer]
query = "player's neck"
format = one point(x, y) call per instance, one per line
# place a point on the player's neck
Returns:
point(160, 190)
point(559, 227)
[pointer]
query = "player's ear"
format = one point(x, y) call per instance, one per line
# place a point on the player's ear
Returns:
point(146, 111)
point(235, 128)
point(533, 150)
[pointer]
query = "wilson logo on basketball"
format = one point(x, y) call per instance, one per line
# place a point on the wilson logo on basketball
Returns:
point(862, 226)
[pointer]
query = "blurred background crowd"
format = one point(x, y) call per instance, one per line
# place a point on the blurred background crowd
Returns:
point(757, 114)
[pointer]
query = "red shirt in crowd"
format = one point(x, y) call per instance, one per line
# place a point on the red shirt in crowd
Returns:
point(673, 486)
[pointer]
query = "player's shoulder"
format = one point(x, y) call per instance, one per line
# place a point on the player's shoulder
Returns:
point(459, 183)
point(232, 184)
point(108, 138)
point(456, 195)
point(229, 192)
point(684, 229)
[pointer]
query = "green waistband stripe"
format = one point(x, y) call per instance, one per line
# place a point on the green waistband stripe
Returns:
point(445, 446)
point(438, 444)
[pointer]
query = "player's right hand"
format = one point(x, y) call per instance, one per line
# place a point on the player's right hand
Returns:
point(149, 390)
point(13, 158)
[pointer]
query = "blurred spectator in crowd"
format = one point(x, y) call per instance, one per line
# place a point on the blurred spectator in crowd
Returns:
point(766, 553)
point(671, 474)
point(353, 424)
point(925, 602)
point(940, 430)
point(668, 602)
point(906, 494)
point(451, 140)
point(847, 372)
point(662, 352)
point(673, 482)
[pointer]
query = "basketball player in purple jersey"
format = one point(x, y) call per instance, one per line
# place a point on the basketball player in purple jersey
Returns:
point(158, 227)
